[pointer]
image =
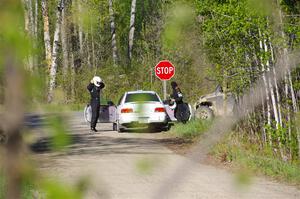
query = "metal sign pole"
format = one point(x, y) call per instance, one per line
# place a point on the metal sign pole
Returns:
point(165, 89)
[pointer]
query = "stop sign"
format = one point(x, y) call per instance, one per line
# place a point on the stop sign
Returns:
point(164, 70)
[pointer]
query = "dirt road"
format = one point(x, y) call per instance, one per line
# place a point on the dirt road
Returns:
point(135, 165)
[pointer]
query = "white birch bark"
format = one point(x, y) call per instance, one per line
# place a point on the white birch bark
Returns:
point(274, 103)
point(286, 65)
point(36, 14)
point(29, 27)
point(26, 15)
point(80, 31)
point(88, 50)
point(72, 76)
point(288, 117)
point(31, 19)
point(131, 28)
point(263, 116)
point(276, 86)
point(53, 69)
point(64, 43)
point(47, 40)
point(27, 30)
point(113, 32)
point(266, 89)
point(93, 48)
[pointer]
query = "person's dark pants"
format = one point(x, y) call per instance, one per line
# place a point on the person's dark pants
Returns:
point(95, 113)
point(182, 112)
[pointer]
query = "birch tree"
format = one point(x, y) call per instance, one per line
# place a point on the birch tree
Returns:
point(113, 32)
point(53, 69)
point(131, 28)
point(64, 42)
point(47, 41)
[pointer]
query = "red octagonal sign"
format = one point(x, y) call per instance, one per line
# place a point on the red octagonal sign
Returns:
point(164, 70)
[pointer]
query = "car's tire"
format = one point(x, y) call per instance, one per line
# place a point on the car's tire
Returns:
point(116, 127)
point(166, 127)
point(204, 113)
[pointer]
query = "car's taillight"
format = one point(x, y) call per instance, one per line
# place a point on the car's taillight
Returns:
point(126, 110)
point(160, 109)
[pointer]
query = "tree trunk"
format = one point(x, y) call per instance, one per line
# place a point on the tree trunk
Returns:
point(286, 65)
point(288, 117)
point(113, 32)
point(93, 48)
point(64, 43)
point(276, 86)
point(72, 77)
point(274, 103)
point(53, 69)
point(36, 14)
point(87, 44)
point(80, 31)
point(46, 34)
point(263, 117)
point(26, 15)
point(266, 90)
point(131, 29)
point(31, 18)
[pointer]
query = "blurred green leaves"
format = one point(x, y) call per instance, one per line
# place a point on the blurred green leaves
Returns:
point(56, 190)
point(261, 7)
point(179, 19)
point(12, 35)
point(57, 127)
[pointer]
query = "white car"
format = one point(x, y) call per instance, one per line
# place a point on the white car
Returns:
point(137, 109)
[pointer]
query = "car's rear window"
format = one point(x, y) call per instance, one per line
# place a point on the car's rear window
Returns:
point(141, 97)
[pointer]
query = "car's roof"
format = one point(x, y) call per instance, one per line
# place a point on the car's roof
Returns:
point(140, 91)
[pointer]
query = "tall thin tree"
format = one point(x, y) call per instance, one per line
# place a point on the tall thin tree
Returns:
point(53, 69)
point(113, 32)
point(47, 41)
point(131, 28)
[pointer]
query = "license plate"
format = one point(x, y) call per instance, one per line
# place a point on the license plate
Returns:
point(143, 119)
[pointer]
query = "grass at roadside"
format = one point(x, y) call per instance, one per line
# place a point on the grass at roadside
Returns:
point(190, 130)
point(250, 156)
point(239, 153)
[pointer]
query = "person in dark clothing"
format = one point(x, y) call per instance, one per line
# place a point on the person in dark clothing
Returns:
point(181, 111)
point(94, 88)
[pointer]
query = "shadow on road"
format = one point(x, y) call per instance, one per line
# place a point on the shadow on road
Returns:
point(103, 143)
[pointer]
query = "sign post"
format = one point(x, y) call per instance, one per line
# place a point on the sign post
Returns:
point(165, 70)
point(165, 89)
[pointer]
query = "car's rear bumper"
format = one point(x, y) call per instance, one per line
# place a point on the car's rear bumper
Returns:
point(145, 125)
point(156, 118)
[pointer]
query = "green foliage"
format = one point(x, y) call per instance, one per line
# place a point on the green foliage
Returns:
point(55, 190)
point(58, 131)
point(190, 130)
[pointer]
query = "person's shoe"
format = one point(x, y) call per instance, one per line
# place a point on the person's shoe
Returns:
point(94, 130)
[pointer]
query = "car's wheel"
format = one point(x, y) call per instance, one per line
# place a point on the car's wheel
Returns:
point(117, 127)
point(204, 113)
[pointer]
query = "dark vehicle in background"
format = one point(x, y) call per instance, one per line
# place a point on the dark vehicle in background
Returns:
point(214, 104)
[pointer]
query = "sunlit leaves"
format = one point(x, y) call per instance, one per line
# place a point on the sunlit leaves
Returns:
point(179, 20)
